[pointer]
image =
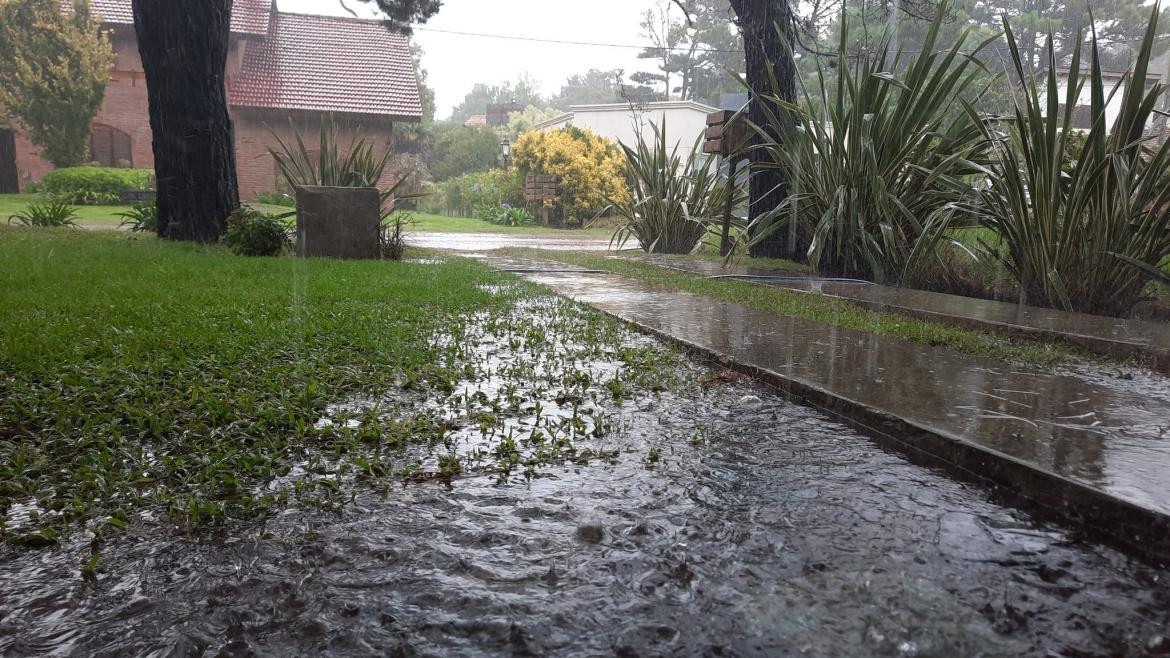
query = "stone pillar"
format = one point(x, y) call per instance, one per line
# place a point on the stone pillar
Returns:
point(338, 222)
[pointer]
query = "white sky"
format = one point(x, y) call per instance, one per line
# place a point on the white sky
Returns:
point(457, 62)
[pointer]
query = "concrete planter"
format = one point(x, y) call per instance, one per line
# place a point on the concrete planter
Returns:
point(338, 222)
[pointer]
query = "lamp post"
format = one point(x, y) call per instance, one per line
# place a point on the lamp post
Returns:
point(506, 150)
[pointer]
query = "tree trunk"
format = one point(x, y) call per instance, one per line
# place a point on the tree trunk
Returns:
point(184, 45)
point(9, 178)
point(766, 25)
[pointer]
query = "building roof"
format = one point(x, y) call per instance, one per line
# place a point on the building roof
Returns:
point(476, 120)
point(322, 63)
point(249, 17)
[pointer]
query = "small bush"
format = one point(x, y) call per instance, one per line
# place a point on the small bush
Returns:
point(392, 234)
point(503, 215)
point(276, 199)
point(141, 217)
point(253, 233)
point(94, 185)
point(46, 213)
point(462, 195)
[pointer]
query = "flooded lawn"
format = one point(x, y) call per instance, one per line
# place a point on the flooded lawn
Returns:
point(584, 491)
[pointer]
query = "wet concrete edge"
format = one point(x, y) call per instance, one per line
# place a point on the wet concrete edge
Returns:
point(1149, 356)
point(1146, 355)
point(1109, 519)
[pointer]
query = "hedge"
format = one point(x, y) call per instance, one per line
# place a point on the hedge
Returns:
point(94, 185)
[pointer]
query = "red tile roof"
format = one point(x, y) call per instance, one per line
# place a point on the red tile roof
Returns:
point(249, 17)
point(322, 63)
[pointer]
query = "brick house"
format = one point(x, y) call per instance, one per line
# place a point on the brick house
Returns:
point(282, 68)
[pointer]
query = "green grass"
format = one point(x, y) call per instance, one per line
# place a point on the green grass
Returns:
point(825, 310)
point(98, 216)
point(425, 222)
point(143, 379)
point(91, 216)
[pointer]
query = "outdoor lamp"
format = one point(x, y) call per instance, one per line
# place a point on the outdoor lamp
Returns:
point(506, 149)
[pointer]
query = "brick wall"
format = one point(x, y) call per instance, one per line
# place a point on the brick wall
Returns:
point(255, 168)
point(125, 108)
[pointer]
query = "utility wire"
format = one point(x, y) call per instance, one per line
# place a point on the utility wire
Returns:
point(573, 43)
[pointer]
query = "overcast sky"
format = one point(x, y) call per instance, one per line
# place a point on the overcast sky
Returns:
point(457, 62)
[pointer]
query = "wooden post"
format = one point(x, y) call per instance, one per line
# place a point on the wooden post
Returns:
point(725, 240)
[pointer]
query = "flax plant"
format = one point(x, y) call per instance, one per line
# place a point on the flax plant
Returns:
point(1089, 237)
point(673, 201)
point(874, 161)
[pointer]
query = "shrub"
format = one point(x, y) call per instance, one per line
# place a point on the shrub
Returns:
point(51, 212)
point(462, 195)
point(503, 215)
point(392, 234)
point(873, 171)
point(1084, 233)
point(587, 166)
point(141, 217)
point(671, 201)
point(253, 233)
point(276, 199)
point(464, 149)
point(94, 185)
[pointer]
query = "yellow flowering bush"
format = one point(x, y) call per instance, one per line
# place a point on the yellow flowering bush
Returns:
point(589, 168)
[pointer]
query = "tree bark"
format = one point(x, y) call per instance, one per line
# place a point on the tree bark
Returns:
point(767, 25)
point(9, 177)
point(184, 46)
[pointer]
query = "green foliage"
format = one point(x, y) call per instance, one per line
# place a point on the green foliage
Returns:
point(463, 194)
point(140, 218)
point(672, 201)
point(525, 91)
point(94, 185)
point(51, 212)
point(392, 234)
point(872, 176)
point(276, 199)
point(503, 215)
point(521, 122)
point(1088, 233)
point(253, 233)
point(358, 165)
point(465, 149)
point(54, 66)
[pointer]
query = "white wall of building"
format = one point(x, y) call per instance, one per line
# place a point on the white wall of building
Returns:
point(685, 122)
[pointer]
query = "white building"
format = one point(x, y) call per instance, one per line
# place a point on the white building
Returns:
point(685, 122)
point(1112, 80)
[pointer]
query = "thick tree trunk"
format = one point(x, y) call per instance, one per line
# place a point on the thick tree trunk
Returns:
point(9, 178)
point(184, 45)
point(766, 25)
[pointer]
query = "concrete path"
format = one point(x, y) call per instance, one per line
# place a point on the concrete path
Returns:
point(486, 241)
point(1147, 341)
point(1092, 449)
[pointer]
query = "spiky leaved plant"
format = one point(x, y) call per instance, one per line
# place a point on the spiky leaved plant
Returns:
point(672, 200)
point(875, 159)
point(1086, 235)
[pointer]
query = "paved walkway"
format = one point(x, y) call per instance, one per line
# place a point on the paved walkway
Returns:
point(474, 242)
point(1148, 341)
point(1091, 448)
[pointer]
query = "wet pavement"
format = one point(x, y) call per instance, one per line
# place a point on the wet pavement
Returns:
point(487, 241)
point(727, 521)
point(1149, 341)
point(1125, 337)
point(1089, 446)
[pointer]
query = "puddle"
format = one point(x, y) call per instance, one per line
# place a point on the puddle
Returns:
point(675, 518)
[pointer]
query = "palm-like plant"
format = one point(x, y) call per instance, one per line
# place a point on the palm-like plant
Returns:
point(1091, 235)
point(872, 180)
point(358, 165)
point(673, 201)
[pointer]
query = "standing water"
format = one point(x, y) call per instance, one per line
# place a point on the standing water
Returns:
point(713, 519)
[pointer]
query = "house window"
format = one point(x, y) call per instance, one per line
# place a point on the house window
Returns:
point(109, 147)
